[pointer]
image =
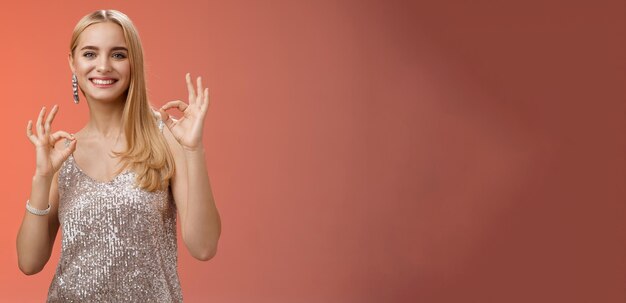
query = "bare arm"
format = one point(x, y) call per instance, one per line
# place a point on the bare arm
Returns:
point(36, 236)
point(37, 233)
point(199, 217)
point(200, 220)
point(203, 223)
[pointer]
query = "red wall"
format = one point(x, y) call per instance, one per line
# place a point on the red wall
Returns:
point(368, 151)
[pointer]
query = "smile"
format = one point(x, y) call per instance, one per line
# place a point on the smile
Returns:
point(103, 82)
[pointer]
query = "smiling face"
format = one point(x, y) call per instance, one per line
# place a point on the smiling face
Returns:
point(100, 62)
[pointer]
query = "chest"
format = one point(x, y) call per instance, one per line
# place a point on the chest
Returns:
point(96, 159)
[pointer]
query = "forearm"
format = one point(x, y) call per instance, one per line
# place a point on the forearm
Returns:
point(33, 238)
point(202, 223)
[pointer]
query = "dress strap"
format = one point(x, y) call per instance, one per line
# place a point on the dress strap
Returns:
point(160, 123)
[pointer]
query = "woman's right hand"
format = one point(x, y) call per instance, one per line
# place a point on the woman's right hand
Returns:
point(49, 158)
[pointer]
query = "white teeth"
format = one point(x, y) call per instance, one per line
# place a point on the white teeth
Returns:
point(102, 82)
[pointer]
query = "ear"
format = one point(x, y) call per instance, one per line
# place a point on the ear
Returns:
point(70, 60)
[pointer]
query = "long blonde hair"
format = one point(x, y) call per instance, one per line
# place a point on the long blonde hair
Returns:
point(148, 154)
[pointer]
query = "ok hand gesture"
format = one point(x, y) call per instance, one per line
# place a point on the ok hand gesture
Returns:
point(188, 129)
point(49, 158)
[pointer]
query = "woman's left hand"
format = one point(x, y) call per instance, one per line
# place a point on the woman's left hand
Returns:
point(188, 129)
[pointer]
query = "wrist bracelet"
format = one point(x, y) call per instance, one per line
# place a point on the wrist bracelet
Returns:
point(35, 211)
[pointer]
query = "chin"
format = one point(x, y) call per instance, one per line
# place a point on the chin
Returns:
point(108, 99)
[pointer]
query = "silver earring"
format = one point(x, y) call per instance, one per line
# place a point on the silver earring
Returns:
point(75, 87)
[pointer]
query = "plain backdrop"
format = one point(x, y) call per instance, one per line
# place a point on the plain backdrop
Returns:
point(367, 151)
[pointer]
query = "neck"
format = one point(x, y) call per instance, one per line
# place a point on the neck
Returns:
point(105, 119)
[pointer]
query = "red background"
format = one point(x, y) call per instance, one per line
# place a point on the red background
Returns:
point(368, 151)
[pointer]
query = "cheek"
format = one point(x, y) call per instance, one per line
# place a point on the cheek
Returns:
point(82, 67)
point(124, 70)
point(125, 73)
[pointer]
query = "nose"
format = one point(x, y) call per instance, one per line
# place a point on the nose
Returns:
point(104, 65)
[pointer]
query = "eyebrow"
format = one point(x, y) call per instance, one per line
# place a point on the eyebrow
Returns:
point(113, 48)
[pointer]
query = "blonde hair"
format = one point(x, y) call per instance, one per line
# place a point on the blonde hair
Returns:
point(148, 154)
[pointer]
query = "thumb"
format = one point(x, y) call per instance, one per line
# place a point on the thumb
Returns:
point(165, 117)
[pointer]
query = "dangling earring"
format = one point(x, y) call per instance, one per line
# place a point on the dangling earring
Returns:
point(75, 88)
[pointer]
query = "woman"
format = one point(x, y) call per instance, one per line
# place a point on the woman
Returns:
point(116, 186)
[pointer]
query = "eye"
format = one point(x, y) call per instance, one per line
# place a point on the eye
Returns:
point(119, 55)
point(89, 54)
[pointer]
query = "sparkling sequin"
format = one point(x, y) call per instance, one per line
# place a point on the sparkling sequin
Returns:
point(118, 241)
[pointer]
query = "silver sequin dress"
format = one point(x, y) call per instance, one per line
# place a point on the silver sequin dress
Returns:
point(118, 241)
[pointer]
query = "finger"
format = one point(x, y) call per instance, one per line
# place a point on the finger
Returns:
point(60, 135)
point(192, 94)
point(39, 126)
point(29, 131)
point(165, 117)
point(205, 102)
point(182, 106)
point(50, 118)
point(69, 150)
point(199, 97)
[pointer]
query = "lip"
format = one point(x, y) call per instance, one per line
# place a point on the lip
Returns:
point(102, 85)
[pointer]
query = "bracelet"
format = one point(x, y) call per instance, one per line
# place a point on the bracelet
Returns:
point(35, 211)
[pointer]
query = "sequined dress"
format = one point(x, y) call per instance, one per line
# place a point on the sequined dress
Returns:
point(118, 241)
